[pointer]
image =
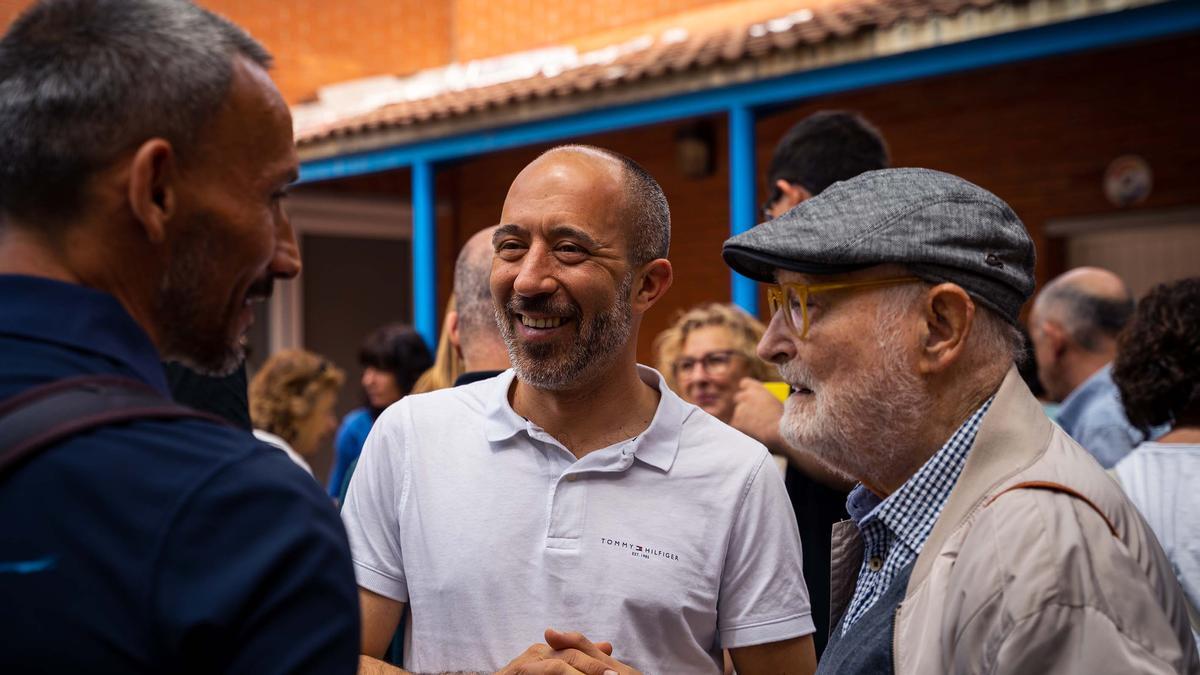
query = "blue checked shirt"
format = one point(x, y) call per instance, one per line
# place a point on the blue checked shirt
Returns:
point(894, 529)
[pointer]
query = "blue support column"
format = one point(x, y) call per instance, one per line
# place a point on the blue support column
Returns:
point(742, 215)
point(424, 253)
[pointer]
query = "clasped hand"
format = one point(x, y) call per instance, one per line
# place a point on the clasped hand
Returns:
point(567, 654)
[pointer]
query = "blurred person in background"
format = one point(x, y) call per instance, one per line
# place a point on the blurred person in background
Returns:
point(472, 327)
point(818, 151)
point(707, 352)
point(1157, 371)
point(1074, 325)
point(392, 357)
point(447, 364)
point(470, 348)
point(291, 403)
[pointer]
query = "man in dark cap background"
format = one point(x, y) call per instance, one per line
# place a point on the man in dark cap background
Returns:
point(983, 538)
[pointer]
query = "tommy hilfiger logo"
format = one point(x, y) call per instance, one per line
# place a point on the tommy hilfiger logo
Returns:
point(639, 550)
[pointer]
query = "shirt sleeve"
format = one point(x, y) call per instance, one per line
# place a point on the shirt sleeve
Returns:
point(254, 575)
point(763, 596)
point(373, 506)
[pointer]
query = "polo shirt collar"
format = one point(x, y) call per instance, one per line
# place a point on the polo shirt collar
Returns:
point(657, 445)
point(79, 318)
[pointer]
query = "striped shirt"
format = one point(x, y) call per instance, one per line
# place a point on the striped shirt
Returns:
point(894, 529)
point(1161, 480)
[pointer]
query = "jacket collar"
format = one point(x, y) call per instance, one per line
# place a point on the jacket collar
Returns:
point(1014, 433)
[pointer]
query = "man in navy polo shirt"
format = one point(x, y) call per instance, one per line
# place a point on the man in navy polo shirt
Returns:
point(145, 153)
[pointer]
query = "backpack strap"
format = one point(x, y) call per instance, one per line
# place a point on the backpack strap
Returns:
point(38, 418)
point(1056, 487)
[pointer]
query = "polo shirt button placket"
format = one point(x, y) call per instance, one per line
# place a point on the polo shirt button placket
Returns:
point(567, 506)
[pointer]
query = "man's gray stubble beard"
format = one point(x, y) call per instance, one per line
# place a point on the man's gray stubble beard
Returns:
point(606, 334)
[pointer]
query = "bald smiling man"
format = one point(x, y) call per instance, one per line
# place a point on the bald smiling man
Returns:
point(576, 490)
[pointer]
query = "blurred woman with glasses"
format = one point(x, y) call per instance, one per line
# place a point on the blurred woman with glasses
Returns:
point(707, 352)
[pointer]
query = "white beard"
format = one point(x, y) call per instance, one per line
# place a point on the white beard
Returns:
point(865, 425)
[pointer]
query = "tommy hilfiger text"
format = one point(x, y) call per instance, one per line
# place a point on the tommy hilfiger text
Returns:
point(639, 550)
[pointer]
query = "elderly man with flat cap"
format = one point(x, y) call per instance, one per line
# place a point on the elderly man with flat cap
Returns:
point(983, 539)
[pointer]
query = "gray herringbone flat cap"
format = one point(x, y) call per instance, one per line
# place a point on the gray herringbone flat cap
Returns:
point(939, 226)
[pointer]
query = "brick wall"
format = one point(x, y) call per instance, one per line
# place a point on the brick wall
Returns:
point(484, 28)
point(320, 42)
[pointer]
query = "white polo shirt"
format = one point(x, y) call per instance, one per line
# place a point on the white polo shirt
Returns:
point(670, 545)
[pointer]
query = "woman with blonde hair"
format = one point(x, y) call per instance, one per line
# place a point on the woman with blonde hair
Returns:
point(291, 403)
point(447, 363)
point(707, 351)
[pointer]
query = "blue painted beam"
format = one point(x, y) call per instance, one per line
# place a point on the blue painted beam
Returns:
point(742, 215)
point(424, 254)
point(1178, 16)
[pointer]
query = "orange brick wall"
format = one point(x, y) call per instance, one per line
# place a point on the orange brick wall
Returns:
point(320, 42)
point(484, 28)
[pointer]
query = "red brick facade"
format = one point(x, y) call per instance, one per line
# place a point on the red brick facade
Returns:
point(318, 42)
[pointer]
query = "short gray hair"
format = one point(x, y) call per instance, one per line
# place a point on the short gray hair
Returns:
point(83, 81)
point(994, 339)
point(1090, 319)
point(644, 201)
point(473, 291)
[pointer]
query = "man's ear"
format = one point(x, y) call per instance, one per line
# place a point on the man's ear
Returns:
point(1055, 337)
point(949, 315)
point(793, 193)
point(152, 198)
point(651, 283)
point(452, 329)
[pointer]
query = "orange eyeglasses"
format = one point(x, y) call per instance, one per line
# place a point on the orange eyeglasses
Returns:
point(794, 298)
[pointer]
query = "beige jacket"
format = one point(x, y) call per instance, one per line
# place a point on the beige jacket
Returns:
point(1038, 564)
